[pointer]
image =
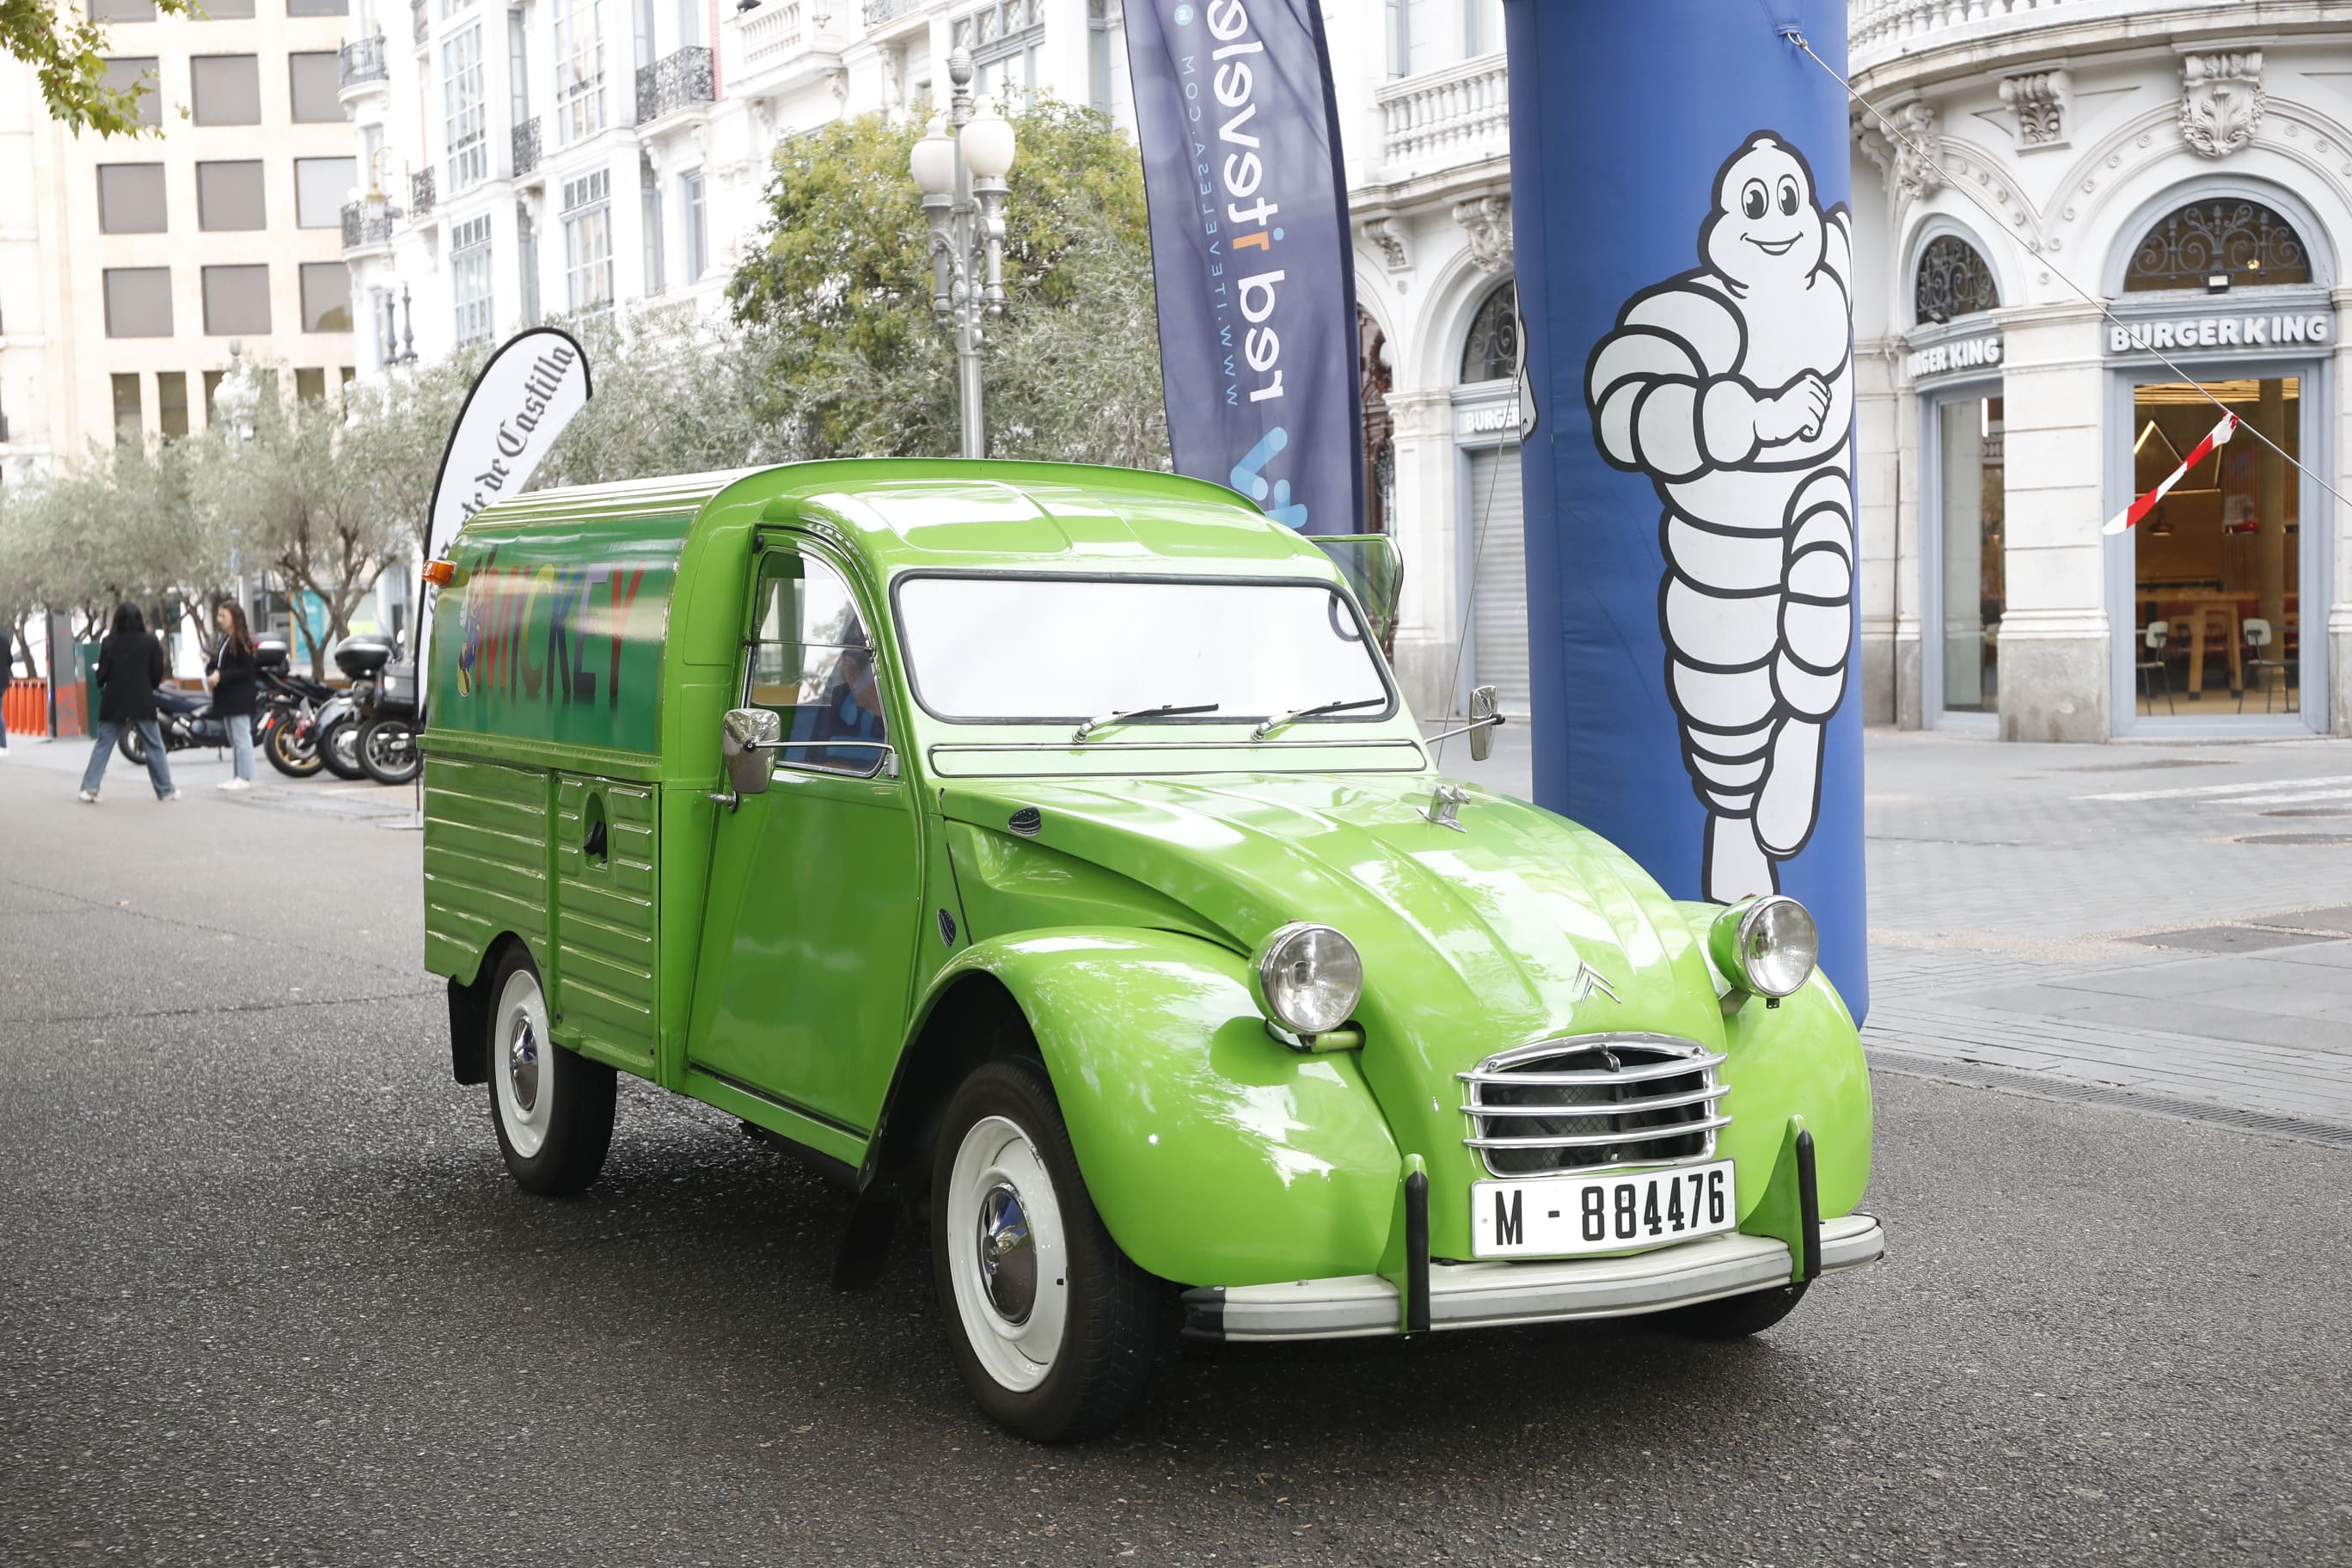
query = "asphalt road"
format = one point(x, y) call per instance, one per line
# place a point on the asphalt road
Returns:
point(266, 1296)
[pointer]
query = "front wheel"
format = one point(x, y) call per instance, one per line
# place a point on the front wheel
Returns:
point(1053, 1327)
point(339, 748)
point(134, 747)
point(387, 750)
point(552, 1107)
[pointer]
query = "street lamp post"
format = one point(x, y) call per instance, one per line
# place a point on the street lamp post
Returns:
point(959, 167)
point(237, 402)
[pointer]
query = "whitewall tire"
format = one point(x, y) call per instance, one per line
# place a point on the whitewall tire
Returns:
point(552, 1107)
point(1055, 1332)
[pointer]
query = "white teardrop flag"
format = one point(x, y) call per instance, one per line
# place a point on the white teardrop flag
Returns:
point(522, 400)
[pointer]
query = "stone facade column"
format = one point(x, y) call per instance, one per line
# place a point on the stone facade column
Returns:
point(2056, 654)
point(1429, 614)
point(2315, 502)
point(1886, 529)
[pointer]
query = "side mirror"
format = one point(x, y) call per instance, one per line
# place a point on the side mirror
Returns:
point(745, 739)
point(1483, 702)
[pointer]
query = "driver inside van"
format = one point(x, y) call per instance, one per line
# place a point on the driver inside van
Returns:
point(852, 706)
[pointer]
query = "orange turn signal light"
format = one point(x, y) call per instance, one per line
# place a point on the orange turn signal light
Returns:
point(440, 572)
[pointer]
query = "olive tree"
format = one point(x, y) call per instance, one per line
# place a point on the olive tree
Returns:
point(835, 292)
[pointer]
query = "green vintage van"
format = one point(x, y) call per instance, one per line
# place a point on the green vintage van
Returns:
point(1045, 852)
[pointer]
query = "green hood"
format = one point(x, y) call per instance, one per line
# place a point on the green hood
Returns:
point(1473, 941)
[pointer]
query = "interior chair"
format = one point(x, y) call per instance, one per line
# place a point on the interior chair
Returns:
point(2258, 662)
point(2152, 641)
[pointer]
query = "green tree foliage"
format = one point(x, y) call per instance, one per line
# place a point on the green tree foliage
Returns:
point(313, 496)
point(118, 526)
point(67, 54)
point(674, 394)
point(836, 295)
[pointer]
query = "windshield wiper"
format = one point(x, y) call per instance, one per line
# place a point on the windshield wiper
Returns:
point(1295, 714)
point(1130, 715)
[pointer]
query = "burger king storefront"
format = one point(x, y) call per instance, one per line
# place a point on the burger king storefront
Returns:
point(2029, 426)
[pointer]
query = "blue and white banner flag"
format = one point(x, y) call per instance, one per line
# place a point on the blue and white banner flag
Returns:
point(1251, 252)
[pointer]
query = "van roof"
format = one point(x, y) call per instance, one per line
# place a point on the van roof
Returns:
point(943, 513)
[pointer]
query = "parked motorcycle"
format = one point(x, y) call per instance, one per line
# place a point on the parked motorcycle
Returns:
point(185, 721)
point(387, 744)
point(284, 729)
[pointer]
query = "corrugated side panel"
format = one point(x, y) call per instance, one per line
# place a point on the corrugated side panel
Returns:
point(606, 926)
point(485, 859)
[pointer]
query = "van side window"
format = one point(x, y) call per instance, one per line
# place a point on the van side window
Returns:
point(813, 664)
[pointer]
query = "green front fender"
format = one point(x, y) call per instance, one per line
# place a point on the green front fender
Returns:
point(1802, 1058)
point(1215, 1155)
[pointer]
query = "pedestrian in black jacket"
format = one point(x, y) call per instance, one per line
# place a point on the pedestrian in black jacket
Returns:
point(129, 669)
point(233, 673)
point(7, 673)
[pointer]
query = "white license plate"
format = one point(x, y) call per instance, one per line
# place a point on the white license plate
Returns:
point(1556, 1216)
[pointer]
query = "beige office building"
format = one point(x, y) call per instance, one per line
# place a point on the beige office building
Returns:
point(128, 267)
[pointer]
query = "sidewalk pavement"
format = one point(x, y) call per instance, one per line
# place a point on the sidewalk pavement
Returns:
point(199, 773)
point(2172, 923)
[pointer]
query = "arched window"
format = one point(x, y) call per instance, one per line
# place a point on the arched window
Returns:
point(1492, 351)
point(1953, 280)
point(2242, 240)
point(1373, 380)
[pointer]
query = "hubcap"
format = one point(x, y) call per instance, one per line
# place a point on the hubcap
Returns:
point(522, 1063)
point(1007, 1266)
point(1008, 1263)
point(525, 1090)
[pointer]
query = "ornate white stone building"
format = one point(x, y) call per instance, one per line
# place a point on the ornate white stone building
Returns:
point(2187, 164)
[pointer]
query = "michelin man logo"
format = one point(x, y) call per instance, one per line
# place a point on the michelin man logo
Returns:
point(1731, 386)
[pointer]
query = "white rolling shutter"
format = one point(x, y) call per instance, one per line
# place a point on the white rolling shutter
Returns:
point(1499, 619)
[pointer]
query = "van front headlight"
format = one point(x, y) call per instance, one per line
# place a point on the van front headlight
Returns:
point(1307, 978)
point(1768, 945)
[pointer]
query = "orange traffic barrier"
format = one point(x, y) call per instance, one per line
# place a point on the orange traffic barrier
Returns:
point(27, 708)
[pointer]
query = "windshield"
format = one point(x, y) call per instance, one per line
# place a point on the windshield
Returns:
point(1054, 649)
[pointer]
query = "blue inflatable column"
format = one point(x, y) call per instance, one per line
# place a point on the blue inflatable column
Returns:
point(1679, 181)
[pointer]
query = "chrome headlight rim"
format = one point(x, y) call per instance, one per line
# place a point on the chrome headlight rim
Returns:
point(1738, 933)
point(1266, 988)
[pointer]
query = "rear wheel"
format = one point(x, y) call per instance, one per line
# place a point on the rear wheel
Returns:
point(1052, 1328)
point(133, 746)
point(1734, 1317)
point(387, 750)
point(552, 1107)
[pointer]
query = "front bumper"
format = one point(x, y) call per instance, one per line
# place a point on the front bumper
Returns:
point(1492, 1295)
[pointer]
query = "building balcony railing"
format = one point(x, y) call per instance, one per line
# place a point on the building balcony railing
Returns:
point(361, 230)
point(1878, 31)
point(363, 61)
point(526, 147)
point(420, 19)
point(1453, 115)
point(676, 81)
point(420, 193)
point(778, 36)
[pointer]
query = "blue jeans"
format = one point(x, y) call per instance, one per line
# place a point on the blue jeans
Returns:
point(110, 731)
point(240, 744)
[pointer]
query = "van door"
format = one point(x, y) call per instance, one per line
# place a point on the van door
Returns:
point(821, 876)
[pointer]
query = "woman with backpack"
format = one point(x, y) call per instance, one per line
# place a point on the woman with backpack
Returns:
point(129, 669)
point(233, 673)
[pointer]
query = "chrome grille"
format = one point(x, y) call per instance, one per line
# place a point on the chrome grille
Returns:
point(1598, 1100)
